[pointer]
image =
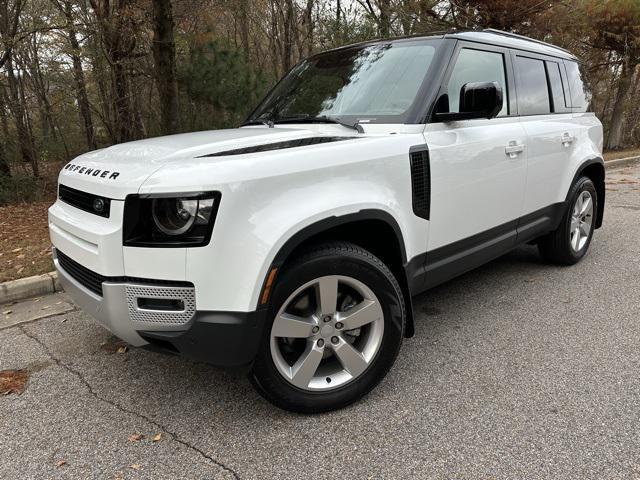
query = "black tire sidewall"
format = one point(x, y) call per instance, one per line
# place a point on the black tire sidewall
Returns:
point(351, 262)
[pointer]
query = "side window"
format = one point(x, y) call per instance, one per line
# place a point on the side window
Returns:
point(559, 98)
point(580, 96)
point(477, 66)
point(533, 91)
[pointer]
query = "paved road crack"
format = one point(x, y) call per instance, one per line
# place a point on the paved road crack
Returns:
point(122, 409)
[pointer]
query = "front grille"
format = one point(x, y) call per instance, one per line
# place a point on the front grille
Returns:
point(93, 281)
point(87, 278)
point(85, 201)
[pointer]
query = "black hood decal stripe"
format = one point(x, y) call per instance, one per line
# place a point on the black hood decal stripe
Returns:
point(300, 142)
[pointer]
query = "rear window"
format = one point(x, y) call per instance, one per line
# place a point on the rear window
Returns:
point(580, 95)
point(533, 91)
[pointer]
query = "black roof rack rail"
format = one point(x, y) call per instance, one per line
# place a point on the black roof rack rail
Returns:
point(522, 37)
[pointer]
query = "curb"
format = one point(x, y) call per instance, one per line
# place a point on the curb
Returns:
point(23, 288)
point(621, 162)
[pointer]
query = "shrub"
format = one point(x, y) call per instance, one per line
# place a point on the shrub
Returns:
point(20, 188)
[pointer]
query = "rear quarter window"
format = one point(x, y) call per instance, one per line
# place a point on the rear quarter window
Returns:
point(580, 95)
point(560, 101)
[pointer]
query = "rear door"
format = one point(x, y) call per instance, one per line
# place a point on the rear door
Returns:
point(545, 113)
point(477, 168)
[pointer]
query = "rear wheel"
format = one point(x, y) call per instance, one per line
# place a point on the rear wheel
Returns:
point(337, 322)
point(570, 242)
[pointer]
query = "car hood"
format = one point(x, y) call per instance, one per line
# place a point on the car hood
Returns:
point(120, 170)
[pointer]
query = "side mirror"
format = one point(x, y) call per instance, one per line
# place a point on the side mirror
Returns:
point(477, 100)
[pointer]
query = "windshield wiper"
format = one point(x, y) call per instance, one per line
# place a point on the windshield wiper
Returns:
point(319, 119)
point(267, 118)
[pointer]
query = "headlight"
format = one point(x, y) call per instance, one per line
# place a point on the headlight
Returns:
point(170, 221)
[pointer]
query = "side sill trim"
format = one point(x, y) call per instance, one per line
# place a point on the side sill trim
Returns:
point(437, 266)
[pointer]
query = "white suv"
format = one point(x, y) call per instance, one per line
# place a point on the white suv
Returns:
point(370, 173)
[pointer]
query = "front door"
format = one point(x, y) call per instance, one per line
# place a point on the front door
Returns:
point(478, 171)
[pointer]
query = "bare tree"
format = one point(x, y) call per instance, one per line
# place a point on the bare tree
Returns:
point(164, 54)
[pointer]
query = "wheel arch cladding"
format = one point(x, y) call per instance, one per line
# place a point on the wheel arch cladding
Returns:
point(374, 230)
point(593, 169)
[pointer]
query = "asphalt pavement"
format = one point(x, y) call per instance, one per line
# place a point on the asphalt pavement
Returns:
point(519, 369)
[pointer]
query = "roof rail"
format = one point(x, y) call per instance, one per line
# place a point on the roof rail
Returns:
point(522, 37)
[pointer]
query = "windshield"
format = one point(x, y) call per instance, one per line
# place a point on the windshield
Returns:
point(372, 83)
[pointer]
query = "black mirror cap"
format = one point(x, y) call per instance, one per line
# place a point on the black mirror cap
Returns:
point(477, 100)
point(482, 98)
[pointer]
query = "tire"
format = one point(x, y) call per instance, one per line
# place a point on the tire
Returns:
point(367, 291)
point(562, 246)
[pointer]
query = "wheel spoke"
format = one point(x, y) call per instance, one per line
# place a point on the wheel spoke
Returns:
point(327, 295)
point(586, 205)
point(574, 223)
point(577, 208)
point(584, 230)
point(291, 326)
point(303, 370)
point(351, 359)
point(365, 312)
point(575, 238)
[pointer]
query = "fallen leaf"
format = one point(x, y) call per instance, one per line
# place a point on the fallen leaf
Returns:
point(157, 438)
point(136, 466)
point(16, 250)
point(136, 437)
point(113, 345)
point(60, 463)
point(13, 381)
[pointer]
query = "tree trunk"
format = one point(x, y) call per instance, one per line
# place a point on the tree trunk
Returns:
point(4, 162)
point(16, 106)
point(616, 129)
point(244, 28)
point(384, 19)
point(78, 78)
point(287, 40)
point(311, 27)
point(121, 101)
point(164, 57)
point(4, 143)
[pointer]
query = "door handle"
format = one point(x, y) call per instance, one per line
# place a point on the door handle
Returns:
point(567, 139)
point(513, 149)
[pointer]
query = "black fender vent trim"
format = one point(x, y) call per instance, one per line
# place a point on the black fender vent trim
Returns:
point(420, 181)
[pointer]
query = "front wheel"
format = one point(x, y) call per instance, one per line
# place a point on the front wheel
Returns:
point(337, 323)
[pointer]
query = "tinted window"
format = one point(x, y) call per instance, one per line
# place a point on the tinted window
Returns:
point(580, 96)
point(476, 66)
point(533, 92)
point(558, 98)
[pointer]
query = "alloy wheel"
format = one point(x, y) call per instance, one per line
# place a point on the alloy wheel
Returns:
point(581, 220)
point(327, 333)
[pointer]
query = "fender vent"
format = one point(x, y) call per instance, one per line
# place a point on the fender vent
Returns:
point(421, 183)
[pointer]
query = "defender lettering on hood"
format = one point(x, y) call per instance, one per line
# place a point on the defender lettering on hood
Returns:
point(94, 172)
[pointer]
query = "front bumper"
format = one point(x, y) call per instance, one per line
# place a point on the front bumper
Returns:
point(219, 338)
